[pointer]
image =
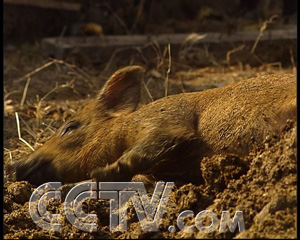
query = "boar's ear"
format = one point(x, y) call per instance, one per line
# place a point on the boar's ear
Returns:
point(121, 93)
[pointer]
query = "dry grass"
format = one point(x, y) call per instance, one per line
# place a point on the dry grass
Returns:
point(234, 50)
point(32, 124)
point(293, 61)
point(168, 71)
point(261, 31)
point(19, 133)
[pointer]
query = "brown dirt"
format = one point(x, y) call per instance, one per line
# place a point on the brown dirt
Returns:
point(263, 185)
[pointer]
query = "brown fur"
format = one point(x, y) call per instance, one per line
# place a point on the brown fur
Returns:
point(167, 137)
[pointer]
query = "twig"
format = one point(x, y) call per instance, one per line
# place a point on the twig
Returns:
point(38, 108)
point(38, 136)
point(117, 51)
point(25, 91)
point(29, 130)
point(258, 59)
point(191, 40)
point(79, 70)
point(209, 56)
point(63, 31)
point(10, 156)
point(292, 60)
point(147, 90)
point(261, 30)
point(58, 67)
point(140, 51)
point(119, 20)
point(72, 66)
point(12, 92)
point(86, 76)
point(35, 71)
point(241, 66)
point(168, 71)
point(278, 64)
point(233, 51)
point(66, 85)
point(154, 44)
point(180, 84)
point(19, 133)
point(139, 13)
point(112, 57)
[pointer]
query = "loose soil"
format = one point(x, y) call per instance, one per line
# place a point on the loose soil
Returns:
point(263, 184)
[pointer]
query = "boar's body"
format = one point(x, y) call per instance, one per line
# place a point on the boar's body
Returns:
point(111, 141)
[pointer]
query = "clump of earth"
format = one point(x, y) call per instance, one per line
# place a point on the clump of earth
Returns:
point(263, 185)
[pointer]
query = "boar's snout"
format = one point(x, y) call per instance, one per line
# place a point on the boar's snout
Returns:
point(36, 171)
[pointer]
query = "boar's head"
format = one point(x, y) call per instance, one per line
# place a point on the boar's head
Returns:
point(89, 138)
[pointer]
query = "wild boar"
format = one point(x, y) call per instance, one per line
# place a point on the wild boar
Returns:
point(112, 139)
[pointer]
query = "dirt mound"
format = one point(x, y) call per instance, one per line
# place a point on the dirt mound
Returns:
point(262, 185)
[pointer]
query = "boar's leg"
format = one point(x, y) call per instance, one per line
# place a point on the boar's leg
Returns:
point(147, 155)
point(123, 169)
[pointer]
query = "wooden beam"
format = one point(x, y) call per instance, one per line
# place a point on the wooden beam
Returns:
point(47, 4)
point(101, 49)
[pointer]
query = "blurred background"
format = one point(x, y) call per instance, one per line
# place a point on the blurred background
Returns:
point(31, 20)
